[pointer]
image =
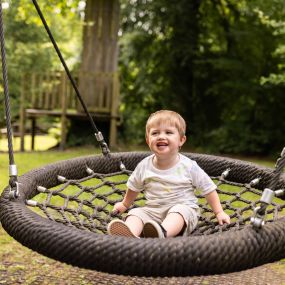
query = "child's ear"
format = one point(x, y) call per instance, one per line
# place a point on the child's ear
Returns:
point(182, 140)
point(147, 140)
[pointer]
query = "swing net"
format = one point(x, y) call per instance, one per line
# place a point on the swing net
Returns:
point(87, 203)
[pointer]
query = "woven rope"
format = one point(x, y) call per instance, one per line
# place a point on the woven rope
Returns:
point(81, 240)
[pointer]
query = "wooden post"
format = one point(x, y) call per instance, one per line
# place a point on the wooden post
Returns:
point(114, 111)
point(63, 111)
point(34, 125)
point(22, 114)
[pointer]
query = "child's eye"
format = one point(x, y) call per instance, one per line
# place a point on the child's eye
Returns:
point(169, 132)
point(154, 133)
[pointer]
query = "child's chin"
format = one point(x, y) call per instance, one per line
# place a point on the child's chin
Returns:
point(162, 149)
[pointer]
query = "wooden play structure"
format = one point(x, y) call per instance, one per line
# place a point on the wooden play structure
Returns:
point(51, 94)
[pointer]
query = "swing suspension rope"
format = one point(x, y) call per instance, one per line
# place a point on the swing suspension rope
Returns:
point(13, 173)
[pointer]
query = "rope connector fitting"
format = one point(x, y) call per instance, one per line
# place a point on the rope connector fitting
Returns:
point(14, 191)
point(103, 144)
point(257, 219)
point(89, 171)
point(279, 192)
point(99, 137)
point(259, 212)
point(13, 171)
point(254, 182)
point(14, 185)
point(61, 179)
point(122, 166)
point(267, 196)
point(42, 189)
point(225, 173)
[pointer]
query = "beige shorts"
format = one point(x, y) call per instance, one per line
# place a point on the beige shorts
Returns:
point(159, 213)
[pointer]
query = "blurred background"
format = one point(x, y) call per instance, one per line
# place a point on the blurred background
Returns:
point(218, 63)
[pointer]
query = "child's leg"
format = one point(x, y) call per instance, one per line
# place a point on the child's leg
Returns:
point(173, 224)
point(135, 224)
point(186, 220)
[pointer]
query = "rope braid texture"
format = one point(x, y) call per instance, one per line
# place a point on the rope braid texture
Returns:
point(73, 230)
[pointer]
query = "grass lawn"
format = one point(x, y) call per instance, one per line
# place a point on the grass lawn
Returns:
point(41, 143)
point(28, 160)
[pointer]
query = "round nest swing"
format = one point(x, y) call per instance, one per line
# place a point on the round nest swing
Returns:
point(63, 210)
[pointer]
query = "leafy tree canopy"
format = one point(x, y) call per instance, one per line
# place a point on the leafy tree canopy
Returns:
point(219, 63)
point(28, 47)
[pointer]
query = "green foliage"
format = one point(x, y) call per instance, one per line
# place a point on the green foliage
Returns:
point(28, 47)
point(219, 63)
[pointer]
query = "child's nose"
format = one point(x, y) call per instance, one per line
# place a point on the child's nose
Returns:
point(161, 135)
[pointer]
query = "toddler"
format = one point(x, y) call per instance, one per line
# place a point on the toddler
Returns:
point(168, 180)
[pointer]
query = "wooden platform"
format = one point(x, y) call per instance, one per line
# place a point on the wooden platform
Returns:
point(51, 94)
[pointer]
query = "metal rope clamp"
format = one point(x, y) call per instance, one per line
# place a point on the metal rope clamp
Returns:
point(259, 212)
point(103, 144)
point(14, 185)
point(14, 191)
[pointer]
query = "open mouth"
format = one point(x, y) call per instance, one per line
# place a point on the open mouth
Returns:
point(161, 144)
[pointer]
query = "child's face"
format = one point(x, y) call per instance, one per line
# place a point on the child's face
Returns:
point(164, 139)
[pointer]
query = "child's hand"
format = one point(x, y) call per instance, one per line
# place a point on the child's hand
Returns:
point(223, 218)
point(119, 208)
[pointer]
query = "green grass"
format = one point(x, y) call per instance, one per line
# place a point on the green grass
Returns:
point(41, 143)
point(26, 161)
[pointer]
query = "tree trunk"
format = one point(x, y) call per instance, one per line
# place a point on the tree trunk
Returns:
point(100, 53)
point(98, 77)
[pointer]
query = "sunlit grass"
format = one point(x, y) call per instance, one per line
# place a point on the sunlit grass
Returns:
point(41, 143)
point(26, 161)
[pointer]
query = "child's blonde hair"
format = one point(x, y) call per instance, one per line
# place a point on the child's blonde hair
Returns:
point(169, 117)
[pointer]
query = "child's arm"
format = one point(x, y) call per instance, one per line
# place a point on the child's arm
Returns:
point(128, 200)
point(214, 201)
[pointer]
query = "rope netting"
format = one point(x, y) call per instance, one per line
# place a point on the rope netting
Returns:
point(87, 203)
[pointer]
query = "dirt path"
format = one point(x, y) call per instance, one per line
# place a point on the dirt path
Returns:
point(19, 265)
